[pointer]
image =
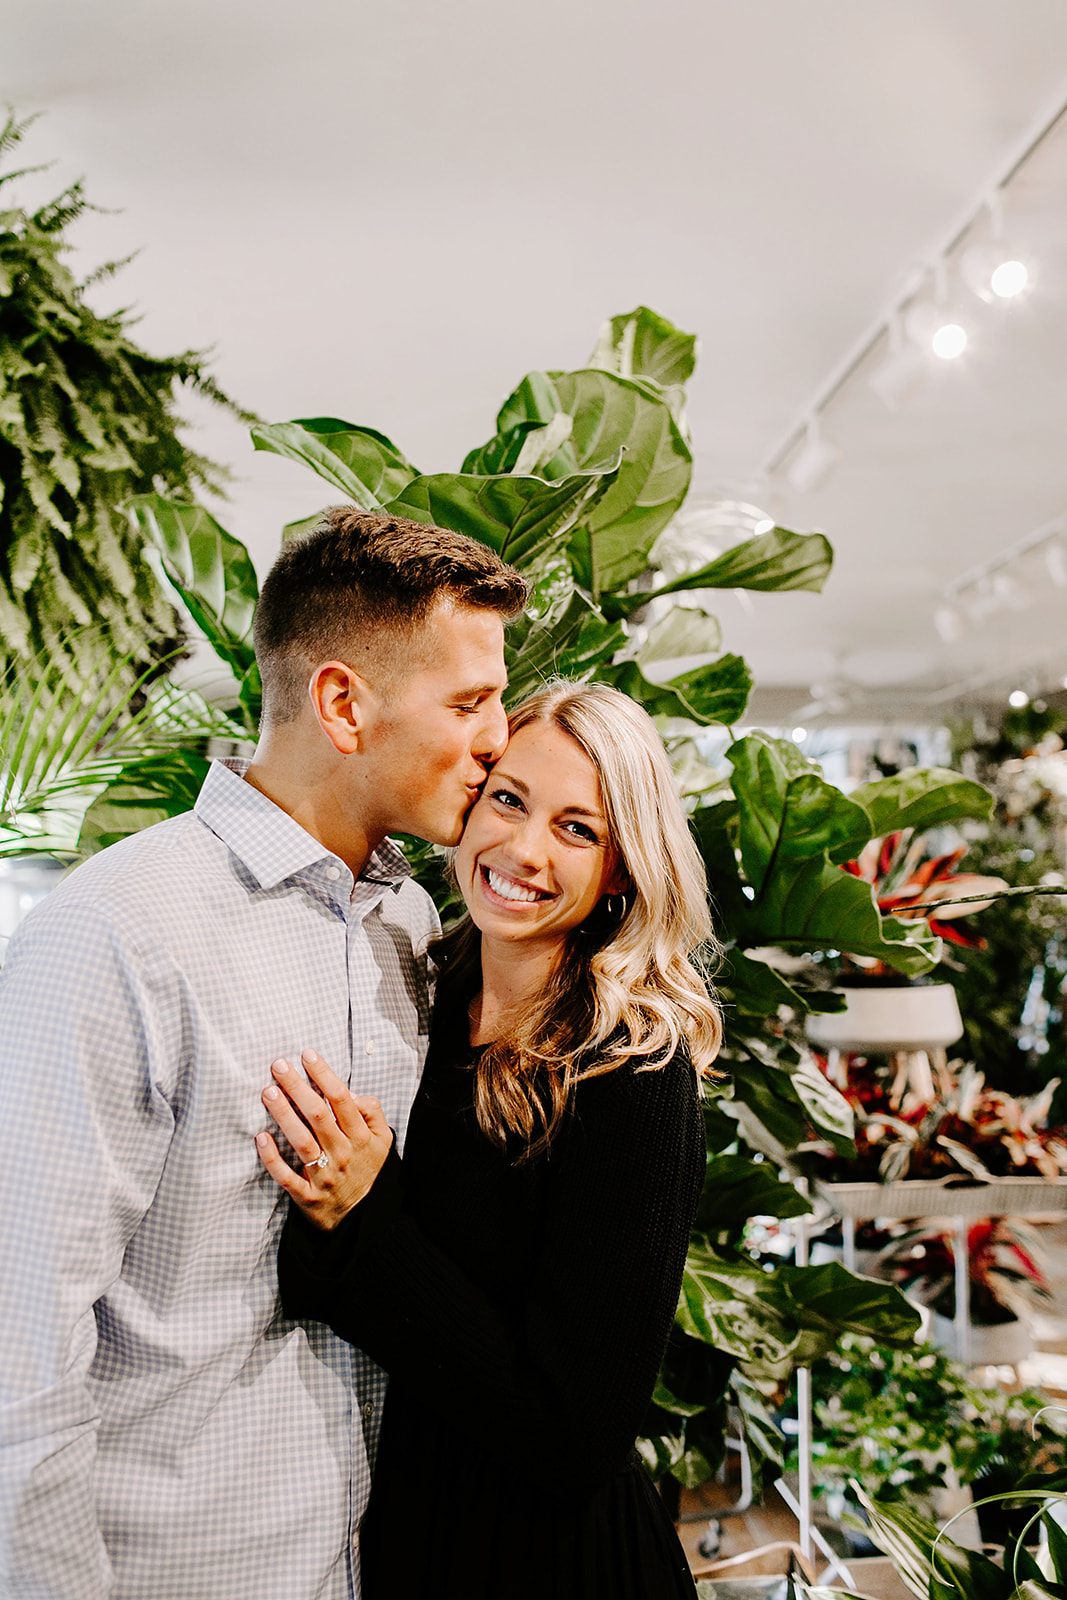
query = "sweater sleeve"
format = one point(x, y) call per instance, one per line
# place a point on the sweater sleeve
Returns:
point(560, 1387)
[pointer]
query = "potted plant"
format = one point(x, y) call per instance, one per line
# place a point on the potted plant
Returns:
point(1006, 1277)
point(885, 1010)
point(934, 1567)
point(913, 1427)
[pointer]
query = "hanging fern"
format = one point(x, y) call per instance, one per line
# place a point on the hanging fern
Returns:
point(87, 420)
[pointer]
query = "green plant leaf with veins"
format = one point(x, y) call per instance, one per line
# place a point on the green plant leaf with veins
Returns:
point(361, 462)
point(519, 518)
point(210, 569)
point(774, 561)
point(921, 798)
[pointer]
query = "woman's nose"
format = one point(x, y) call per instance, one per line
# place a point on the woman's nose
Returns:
point(528, 842)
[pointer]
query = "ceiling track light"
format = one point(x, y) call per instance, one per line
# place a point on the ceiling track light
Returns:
point(898, 372)
point(901, 370)
point(814, 461)
point(932, 326)
point(1007, 583)
point(991, 268)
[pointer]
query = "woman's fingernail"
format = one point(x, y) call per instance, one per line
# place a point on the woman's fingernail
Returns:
point(310, 1055)
point(271, 1093)
point(261, 1140)
point(279, 1066)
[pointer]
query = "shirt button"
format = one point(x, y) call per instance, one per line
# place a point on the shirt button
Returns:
point(370, 1047)
point(333, 873)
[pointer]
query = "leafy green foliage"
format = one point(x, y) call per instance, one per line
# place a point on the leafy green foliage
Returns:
point(87, 419)
point(362, 463)
point(584, 472)
point(78, 736)
point(934, 1567)
point(902, 1422)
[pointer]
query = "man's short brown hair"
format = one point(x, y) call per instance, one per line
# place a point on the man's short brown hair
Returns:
point(359, 577)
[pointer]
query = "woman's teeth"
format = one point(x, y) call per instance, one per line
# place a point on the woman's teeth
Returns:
point(506, 889)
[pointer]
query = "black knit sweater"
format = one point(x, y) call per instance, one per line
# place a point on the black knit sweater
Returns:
point(522, 1309)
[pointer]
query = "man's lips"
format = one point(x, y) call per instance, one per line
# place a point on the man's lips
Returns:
point(503, 889)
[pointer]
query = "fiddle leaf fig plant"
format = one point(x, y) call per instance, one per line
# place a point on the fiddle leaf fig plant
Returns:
point(584, 473)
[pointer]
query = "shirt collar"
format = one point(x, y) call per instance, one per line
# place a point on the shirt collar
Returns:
point(269, 842)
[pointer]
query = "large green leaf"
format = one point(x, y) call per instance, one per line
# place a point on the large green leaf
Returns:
point(921, 797)
point(210, 569)
point(160, 786)
point(717, 693)
point(830, 1113)
point(756, 990)
point(736, 1188)
point(613, 414)
point(948, 1570)
point(788, 814)
point(517, 517)
point(736, 1308)
point(642, 344)
point(778, 560)
point(532, 404)
point(573, 638)
point(361, 462)
point(684, 631)
point(768, 1092)
point(829, 1300)
point(527, 449)
point(810, 905)
point(531, 420)
point(788, 819)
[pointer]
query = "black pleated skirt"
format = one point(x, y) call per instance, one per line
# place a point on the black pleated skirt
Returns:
point(446, 1522)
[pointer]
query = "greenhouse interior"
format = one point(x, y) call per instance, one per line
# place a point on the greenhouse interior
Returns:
point(658, 794)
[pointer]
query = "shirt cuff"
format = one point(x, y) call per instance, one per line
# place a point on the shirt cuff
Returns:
point(307, 1253)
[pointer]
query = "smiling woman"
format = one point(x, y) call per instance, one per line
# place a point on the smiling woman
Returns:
point(517, 1271)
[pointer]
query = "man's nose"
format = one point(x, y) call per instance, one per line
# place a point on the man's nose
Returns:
point(493, 735)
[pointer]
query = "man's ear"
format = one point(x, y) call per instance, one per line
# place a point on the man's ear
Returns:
point(341, 700)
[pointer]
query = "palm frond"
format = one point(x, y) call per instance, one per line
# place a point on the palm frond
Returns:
point(70, 729)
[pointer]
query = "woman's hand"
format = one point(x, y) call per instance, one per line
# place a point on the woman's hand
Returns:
point(341, 1139)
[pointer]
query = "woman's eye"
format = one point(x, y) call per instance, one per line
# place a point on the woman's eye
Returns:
point(506, 798)
point(580, 831)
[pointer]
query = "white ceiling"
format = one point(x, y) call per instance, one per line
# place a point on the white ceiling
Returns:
point(390, 213)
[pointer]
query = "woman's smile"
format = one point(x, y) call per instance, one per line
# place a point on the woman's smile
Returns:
point(512, 890)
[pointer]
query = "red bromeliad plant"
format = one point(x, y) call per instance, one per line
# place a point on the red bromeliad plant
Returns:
point(940, 1123)
point(910, 884)
point(1006, 1275)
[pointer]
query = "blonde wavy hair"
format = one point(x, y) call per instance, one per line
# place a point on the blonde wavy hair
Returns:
point(626, 986)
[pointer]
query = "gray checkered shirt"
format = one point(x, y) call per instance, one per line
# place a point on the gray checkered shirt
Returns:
point(164, 1433)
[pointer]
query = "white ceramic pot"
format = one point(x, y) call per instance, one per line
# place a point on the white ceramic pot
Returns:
point(998, 1344)
point(884, 1017)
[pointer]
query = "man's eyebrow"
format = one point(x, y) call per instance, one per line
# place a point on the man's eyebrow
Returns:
point(478, 693)
point(517, 783)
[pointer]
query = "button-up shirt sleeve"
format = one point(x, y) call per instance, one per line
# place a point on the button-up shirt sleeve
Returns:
point(85, 1125)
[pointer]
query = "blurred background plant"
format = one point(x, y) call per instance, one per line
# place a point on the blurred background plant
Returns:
point(1011, 990)
point(87, 419)
point(910, 1424)
point(940, 1122)
point(1006, 1269)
